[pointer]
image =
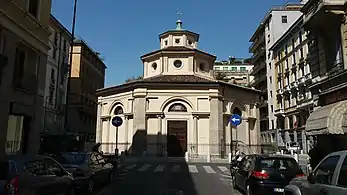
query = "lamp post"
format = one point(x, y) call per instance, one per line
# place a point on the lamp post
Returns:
point(70, 62)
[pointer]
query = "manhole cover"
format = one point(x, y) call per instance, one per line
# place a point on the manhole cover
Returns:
point(171, 192)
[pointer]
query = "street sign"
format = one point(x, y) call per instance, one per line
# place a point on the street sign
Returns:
point(235, 119)
point(117, 121)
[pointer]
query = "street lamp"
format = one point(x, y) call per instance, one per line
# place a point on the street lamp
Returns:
point(70, 62)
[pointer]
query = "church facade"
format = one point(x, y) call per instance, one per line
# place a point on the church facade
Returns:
point(178, 108)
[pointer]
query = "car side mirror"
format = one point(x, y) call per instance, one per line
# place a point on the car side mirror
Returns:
point(311, 178)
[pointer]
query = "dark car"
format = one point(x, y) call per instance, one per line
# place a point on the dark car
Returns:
point(29, 175)
point(88, 169)
point(263, 174)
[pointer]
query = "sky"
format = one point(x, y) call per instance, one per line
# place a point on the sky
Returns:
point(122, 31)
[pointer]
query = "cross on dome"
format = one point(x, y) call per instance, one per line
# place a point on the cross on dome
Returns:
point(179, 22)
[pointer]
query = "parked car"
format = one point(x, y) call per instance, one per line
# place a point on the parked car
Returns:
point(39, 175)
point(329, 177)
point(265, 174)
point(88, 169)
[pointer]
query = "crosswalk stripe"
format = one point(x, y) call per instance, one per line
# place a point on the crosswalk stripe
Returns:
point(208, 169)
point(176, 168)
point(160, 168)
point(192, 169)
point(223, 169)
point(131, 166)
point(144, 167)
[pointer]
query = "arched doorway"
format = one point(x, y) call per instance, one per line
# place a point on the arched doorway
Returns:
point(177, 133)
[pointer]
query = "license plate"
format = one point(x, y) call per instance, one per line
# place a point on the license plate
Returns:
point(278, 190)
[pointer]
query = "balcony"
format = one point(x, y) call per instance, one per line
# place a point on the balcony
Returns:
point(256, 56)
point(256, 43)
point(318, 12)
point(257, 80)
point(256, 68)
point(230, 72)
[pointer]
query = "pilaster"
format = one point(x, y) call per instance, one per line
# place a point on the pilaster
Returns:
point(216, 124)
point(139, 121)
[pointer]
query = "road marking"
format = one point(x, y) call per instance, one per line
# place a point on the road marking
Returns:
point(144, 167)
point(176, 168)
point(208, 169)
point(223, 169)
point(226, 176)
point(193, 169)
point(160, 168)
point(131, 166)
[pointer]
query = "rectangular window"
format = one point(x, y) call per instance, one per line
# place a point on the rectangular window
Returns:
point(301, 52)
point(233, 68)
point(286, 49)
point(284, 19)
point(270, 79)
point(225, 68)
point(19, 66)
point(272, 108)
point(293, 44)
point(270, 94)
point(243, 69)
point(270, 65)
point(53, 76)
point(300, 37)
point(54, 52)
point(33, 7)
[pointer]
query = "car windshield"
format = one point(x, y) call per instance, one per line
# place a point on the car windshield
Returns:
point(68, 158)
point(279, 164)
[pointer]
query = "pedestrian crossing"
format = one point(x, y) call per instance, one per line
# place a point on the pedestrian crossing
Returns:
point(177, 168)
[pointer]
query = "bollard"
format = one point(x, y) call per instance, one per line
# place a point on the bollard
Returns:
point(186, 156)
point(281, 151)
point(208, 158)
point(229, 157)
point(291, 152)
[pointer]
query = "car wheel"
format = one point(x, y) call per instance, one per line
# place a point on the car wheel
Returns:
point(90, 186)
point(248, 190)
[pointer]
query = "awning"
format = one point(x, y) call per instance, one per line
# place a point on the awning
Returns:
point(329, 119)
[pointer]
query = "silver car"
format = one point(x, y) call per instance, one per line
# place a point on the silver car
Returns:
point(328, 178)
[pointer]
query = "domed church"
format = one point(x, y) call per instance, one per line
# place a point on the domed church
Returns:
point(178, 108)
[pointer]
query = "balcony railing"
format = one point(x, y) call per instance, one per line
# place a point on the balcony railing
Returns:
point(256, 42)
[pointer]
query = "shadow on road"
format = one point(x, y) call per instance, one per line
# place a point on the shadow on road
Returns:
point(166, 176)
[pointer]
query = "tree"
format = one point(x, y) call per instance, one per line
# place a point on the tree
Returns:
point(133, 79)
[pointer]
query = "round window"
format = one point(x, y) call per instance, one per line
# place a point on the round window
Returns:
point(190, 42)
point(178, 63)
point(154, 66)
point(177, 40)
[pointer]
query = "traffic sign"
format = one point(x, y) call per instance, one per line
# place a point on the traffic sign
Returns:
point(235, 119)
point(117, 121)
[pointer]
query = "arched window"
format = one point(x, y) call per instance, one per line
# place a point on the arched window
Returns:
point(177, 107)
point(118, 110)
point(237, 111)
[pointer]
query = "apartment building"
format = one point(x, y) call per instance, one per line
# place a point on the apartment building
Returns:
point(87, 75)
point(24, 48)
point(274, 24)
point(325, 23)
point(56, 78)
point(292, 79)
point(234, 70)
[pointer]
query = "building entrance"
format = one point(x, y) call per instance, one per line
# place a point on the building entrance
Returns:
point(177, 138)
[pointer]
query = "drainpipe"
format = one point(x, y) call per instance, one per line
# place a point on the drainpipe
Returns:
point(58, 78)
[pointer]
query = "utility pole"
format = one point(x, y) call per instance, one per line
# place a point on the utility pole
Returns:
point(70, 63)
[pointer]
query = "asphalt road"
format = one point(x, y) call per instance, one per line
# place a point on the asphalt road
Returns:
point(171, 178)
